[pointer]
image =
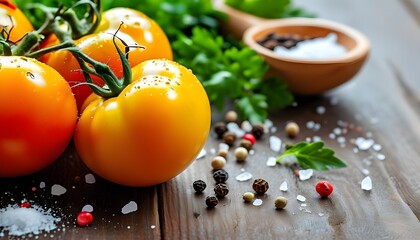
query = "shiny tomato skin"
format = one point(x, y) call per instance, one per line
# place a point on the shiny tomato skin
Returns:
point(37, 116)
point(138, 30)
point(143, 31)
point(149, 133)
point(10, 16)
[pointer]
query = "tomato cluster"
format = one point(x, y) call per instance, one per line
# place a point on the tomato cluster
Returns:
point(144, 135)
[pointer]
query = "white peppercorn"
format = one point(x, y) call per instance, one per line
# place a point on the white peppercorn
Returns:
point(241, 154)
point(218, 162)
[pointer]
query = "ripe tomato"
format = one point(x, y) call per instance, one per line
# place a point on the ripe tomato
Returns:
point(10, 16)
point(151, 131)
point(37, 116)
point(138, 30)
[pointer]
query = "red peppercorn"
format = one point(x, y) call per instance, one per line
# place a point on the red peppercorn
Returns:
point(84, 219)
point(324, 188)
point(25, 205)
point(250, 137)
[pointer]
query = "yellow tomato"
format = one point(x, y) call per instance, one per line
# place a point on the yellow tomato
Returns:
point(10, 16)
point(151, 131)
point(137, 30)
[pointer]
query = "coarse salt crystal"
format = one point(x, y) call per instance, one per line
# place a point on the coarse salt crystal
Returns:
point(58, 190)
point(377, 147)
point(380, 156)
point(90, 179)
point(87, 208)
point(223, 146)
point(271, 161)
point(301, 198)
point(245, 176)
point(316, 139)
point(42, 185)
point(305, 174)
point(310, 124)
point(202, 154)
point(366, 184)
point(317, 48)
point(21, 221)
point(129, 207)
point(364, 144)
point(365, 171)
point(320, 110)
point(234, 127)
point(283, 186)
point(257, 202)
point(288, 159)
point(246, 126)
point(275, 143)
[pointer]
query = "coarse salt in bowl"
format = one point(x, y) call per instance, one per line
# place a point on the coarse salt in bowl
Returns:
point(310, 76)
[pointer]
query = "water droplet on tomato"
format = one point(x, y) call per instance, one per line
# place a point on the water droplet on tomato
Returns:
point(30, 75)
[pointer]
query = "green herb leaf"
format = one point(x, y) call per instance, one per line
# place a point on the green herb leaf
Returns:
point(314, 156)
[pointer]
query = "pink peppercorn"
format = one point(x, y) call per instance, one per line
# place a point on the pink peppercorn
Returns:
point(250, 137)
point(84, 219)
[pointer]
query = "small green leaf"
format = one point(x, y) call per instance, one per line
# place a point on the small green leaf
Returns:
point(314, 156)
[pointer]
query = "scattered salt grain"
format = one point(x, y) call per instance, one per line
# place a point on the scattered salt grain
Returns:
point(245, 176)
point(364, 144)
point(317, 48)
point(268, 124)
point(334, 101)
point(275, 143)
point(283, 186)
point(234, 127)
point(305, 174)
point(377, 147)
point(289, 160)
point(271, 161)
point(337, 131)
point(202, 154)
point(316, 127)
point(129, 207)
point(380, 156)
point(365, 171)
point(273, 130)
point(58, 190)
point(251, 152)
point(90, 179)
point(366, 183)
point(320, 110)
point(301, 198)
point(321, 214)
point(332, 136)
point(310, 124)
point(316, 139)
point(223, 146)
point(153, 226)
point(257, 202)
point(341, 139)
point(87, 208)
point(42, 185)
point(213, 151)
point(21, 221)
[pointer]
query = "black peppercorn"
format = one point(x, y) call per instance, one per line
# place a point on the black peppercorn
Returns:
point(257, 130)
point(229, 138)
point(260, 186)
point(211, 201)
point(221, 190)
point(220, 176)
point(220, 128)
point(199, 186)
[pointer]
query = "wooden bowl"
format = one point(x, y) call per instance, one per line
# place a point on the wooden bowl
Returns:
point(304, 77)
point(311, 76)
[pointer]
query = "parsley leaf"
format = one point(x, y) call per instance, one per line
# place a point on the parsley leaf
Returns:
point(314, 156)
point(233, 72)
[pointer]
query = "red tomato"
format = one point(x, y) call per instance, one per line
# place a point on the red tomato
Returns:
point(10, 16)
point(37, 116)
point(151, 131)
point(138, 30)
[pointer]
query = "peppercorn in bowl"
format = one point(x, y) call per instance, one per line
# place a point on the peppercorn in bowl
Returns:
point(311, 55)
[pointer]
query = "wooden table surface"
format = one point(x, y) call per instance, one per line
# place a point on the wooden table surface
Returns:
point(382, 103)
